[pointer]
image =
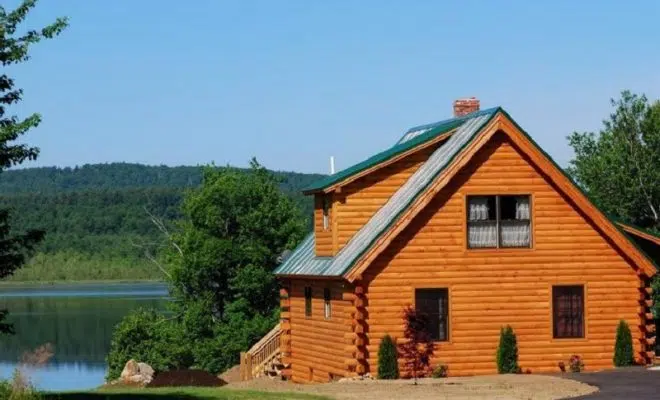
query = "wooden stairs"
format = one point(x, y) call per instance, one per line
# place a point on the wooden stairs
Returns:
point(264, 358)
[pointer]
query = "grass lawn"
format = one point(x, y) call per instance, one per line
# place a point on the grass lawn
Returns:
point(185, 393)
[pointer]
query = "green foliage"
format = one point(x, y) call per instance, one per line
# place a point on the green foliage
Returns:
point(18, 388)
point(619, 168)
point(507, 352)
point(96, 213)
point(148, 336)
point(623, 346)
point(234, 227)
point(655, 296)
point(440, 371)
point(417, 350)
point(14, 48)
point(388, 366)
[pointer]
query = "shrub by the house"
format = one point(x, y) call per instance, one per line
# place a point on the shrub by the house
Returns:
point(417, 350)
point(388, 366)
point(507, 352)
point(440, 371)
point(576, 364)
point(623, 346)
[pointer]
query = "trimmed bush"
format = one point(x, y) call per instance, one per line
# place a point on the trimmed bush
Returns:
point(440, 371)
point(388, 366)
point(623, 346)
point(507, 352)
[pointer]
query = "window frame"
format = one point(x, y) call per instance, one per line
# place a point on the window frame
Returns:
point(327, 303)
point(308, 301)
point(553, 308)
point(325, 213)
point(498, 219)
point(447, 313)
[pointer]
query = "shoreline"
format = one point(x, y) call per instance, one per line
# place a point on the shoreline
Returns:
point(79, 282)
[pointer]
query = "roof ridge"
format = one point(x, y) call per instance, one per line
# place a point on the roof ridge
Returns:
point(400, 147)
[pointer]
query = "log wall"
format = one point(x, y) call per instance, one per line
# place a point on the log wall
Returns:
point(494, 287)
point(317, 345)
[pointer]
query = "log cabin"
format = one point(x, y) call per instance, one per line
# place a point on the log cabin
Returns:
point(469, 221)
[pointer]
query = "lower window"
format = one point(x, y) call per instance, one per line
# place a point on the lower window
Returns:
point(568, 311)
point(435, 304)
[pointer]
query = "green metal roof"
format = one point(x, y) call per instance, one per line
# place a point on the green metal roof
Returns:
point(411, 139)
point(303, 261)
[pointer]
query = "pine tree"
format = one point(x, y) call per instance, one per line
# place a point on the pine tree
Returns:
point(388, 366)
point(623, 347)
point(15, 43)
point(507, 352)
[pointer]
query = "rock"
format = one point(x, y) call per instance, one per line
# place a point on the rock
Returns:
point(131, 368)
point(146, 370)
point(135, 372)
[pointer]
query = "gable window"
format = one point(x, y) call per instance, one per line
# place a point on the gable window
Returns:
point(435, 304)
point(308, 301)
point(498, 222)
point(568, 311)
point(326, 213)
point(327, 306)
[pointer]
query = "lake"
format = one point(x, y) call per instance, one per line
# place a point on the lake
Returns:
point(77, 319)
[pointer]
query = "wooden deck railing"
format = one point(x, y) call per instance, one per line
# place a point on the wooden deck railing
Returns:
point(264, 351)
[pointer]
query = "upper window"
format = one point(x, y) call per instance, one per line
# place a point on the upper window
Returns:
point(435, 304)
point(568, 311)
point(326, 213)
point(327, 305)
point(308, 301)
point(498, 221)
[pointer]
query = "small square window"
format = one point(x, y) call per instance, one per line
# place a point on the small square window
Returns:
point(498, 221)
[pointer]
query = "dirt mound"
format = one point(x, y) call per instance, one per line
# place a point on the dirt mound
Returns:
point(233, 374)
point(185, 377)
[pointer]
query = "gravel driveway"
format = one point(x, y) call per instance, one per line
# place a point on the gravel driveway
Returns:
point(496, 387)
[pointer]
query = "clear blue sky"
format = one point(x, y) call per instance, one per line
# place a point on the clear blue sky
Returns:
point(294, 82)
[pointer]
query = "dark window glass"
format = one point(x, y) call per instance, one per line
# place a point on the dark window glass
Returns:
point(435, 304)
point(498, 221)
point(327, 305)
point(308, 301)
point(568, 311)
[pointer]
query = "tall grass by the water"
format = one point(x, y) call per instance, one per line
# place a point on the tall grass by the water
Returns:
point(72, 266)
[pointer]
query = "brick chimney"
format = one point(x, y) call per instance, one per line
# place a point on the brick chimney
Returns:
point(465, 106)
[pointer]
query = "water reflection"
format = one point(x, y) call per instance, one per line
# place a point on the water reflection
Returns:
point(78, 320)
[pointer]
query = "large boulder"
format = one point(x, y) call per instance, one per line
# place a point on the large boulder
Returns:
point(130, 369)
point(137, 373)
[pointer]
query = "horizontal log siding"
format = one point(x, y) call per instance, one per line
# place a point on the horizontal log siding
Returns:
point(359, 200)
point(492, 288)
point(318, 344)
point(323, 237)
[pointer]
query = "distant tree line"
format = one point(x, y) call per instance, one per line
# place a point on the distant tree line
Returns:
point(100, 210)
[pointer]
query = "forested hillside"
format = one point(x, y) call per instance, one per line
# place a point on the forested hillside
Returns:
point(94, 215)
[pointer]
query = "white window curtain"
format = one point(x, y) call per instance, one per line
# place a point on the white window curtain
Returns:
point(481, 231)
point(516, 233)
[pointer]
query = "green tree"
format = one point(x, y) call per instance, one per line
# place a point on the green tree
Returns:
point(14, 50)
point(147, 336)
point(623, 346)
point(236, 226)
point(619, 167)
point(388, 365)
point(507, 352)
